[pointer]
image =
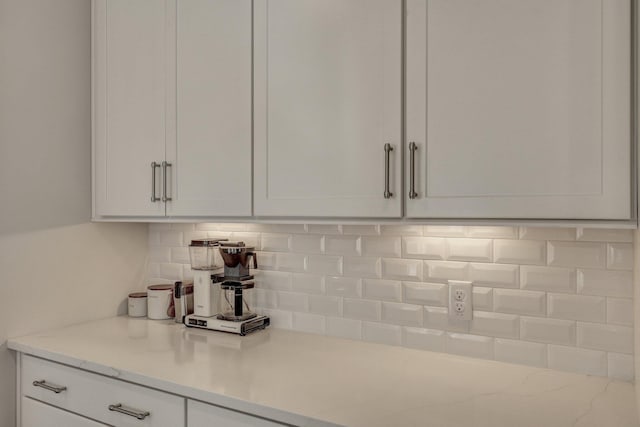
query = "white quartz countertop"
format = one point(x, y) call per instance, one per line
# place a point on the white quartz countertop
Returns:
point(313, 380)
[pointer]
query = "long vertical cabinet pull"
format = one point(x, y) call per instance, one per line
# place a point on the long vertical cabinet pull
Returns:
point(387, 154)
point(154, 165)
point(412, 172)
point(165, 165)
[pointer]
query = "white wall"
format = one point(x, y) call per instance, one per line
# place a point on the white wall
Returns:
point(56, 267)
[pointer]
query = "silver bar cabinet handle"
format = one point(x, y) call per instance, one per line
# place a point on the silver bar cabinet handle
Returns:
point(387, 154)
point(154, 165)
point(54, 388)
point(412, 172)
point(165, 165)
point(118, 407)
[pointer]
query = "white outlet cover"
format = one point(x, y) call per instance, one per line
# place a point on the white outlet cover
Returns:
point(460, 300)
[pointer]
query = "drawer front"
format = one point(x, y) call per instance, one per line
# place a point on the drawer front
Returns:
point(38, 414)
point(92, 395)
point(203, 415)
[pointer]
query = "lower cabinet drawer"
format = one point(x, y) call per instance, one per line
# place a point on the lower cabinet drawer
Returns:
point(104, 399)
point(38, 414)
point(203, 415)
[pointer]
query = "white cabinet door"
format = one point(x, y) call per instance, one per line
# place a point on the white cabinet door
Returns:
point(210, 156)
point(129, 99)
point(36, 414)
point(519, 109)
point(327, 99)
point(203, 415)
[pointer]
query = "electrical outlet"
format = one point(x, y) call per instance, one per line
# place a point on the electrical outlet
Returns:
point(460, 300)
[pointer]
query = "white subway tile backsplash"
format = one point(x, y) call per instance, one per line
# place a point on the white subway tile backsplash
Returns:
point(387, 290)
point(362, 309)
point(519, 302)
point(279, 319)
point(171, 271)
point(604, 235)
point(482, 298)
point(434, 294)
point(324, 229)
point(424, 339)
point(160, 254)
point(274, 280)
point(519, 252)
point(343, 286)
point(362, 267)
point(402, 314)
point(248, 238)
point(438, 318)
point(445, 230)
point(578, 360)
point(180, 255)
point(361, 230)
point(266, 260)
point(605, 283)
point(291, 301)
point(540, 233)
point(443, 271)
point(577, 254)
point(548, 330)
point(494, 275)
point(478, 250)
point(554, 279)
point(344, 328)
point(324, 264)
point(470, 345)
point(621, 366)
point(308, 283)
point(382, 333)
point(424, 248)
point(306, 243)
point(188, 236)
point(495, 324)
point(605, 337)
point(342, 245)
point(402, 269)
point(620, 256)
point(521, 352)
point(401, 230)
point(311, 323)
point(265, 298)
point(620, 311)
point(577, 307)
point(171, 238)
point(325, 305)
point(381, 246)
point(492, 232)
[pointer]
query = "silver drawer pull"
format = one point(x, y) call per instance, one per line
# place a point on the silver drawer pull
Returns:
point(141, 415)
point(54, 388)
point(412, 168)
point(387, 153)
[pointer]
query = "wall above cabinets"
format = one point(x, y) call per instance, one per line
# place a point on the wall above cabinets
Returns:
point(447, 110)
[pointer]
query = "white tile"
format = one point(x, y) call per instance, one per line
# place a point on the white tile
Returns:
point(434, 294)
point(548, 330)
point(159, 226)
point(479, 250)
point(344, 328)
point(265, 298)
point(306, 243)
point(482, 298)
point(402, 314)
point(388, 290)
point(249, 238)
point(605, 235)
point(274, 280)
point(362, 267)
point(188, 236)
point(281, 228)
point(187, 272)
point(521, 352)
point(308, 283)
point(424, 247)
point(231, 226)
point(621, 366)
point(443, 271)
point(402, 269)
point(553, 279)
point(279, 319)
point(343, 286)
point(401, 230)
point(493, 232)
point(605, 283)
point(578, 360)
point(541, 233)
point(224, 235)
point(266, 260)
point(438, 318)
point(577, 254)
point(342, 245)
point(495, 324)
point(387, 246)
point(605, 337)
point(577, 307)
point(445, 230)
point(361, 309)
point(154, 269)
point(620, 256)
point(381, 333)
point(183, 226)
point(519, 252)
point(171, 238)
point(494, 275)
point(171, 271)
point(291, 301)
point(180, 255)
point(424, 339)
point(153, 238)
point(324, 228)
point(620, 311)
point(361, 230)
point(325, 305)
point(160, 254)
point(311, 323)
point(519, 302)
point(470, 345)
point(324, 264)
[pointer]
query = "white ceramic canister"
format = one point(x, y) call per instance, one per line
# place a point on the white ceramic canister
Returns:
point(137, 306)
point(160, 302)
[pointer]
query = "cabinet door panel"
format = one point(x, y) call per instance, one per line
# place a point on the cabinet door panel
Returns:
point(211, 154)
point(129, 104)
point(36, 414)
point(327, 99)
point(519, 109)
point(203, 415)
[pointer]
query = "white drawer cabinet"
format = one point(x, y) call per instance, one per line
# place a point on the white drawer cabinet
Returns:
point(98, 397)
point(38, 414)
point(204, 415)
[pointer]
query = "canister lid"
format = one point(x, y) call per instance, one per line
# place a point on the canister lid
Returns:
point(164, 287)
point(207, 242)
point(138, 295)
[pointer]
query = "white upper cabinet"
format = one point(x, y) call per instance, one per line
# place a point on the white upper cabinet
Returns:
point(328, 91)
point(519, 108)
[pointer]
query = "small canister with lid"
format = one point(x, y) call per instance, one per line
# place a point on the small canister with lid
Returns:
point(160, 302)
point(137, 304)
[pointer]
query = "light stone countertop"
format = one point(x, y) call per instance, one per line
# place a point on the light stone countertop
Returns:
point(313, 380)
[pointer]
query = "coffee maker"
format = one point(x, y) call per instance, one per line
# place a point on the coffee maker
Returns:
point(229, 310)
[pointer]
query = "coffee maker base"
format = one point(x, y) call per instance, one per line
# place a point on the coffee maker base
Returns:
point(214, 324)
